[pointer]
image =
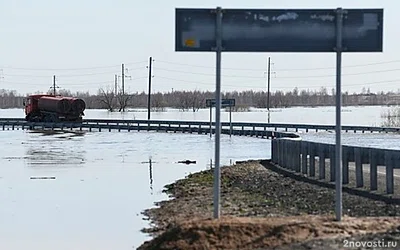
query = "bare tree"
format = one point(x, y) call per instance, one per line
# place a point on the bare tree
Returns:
point(157, 102)
point(391, 117)
point(123, 100)
point(182, 100)
point(107, 98)
point(196, 100)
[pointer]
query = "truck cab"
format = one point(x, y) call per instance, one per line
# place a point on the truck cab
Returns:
point(31, 106)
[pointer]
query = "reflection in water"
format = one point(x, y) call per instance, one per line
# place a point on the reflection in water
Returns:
point(69, 133)
point(210, 165)
point(150, 162)
point(151, 176)
point(55, 148)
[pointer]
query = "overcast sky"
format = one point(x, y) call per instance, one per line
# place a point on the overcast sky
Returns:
point(84, 44)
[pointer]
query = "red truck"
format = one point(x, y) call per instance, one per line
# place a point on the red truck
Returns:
point(53, 108)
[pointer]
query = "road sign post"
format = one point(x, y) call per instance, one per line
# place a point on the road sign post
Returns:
point(338, 146)
point(210, 121)
point(217, 172)
point(224, 103)
point(230, 121)
point(279, 30)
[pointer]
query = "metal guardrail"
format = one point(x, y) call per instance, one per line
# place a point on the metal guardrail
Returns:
point(237, 125)
point(136, 125)
point(300, 156)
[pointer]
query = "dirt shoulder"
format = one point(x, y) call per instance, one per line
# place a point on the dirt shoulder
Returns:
point(263, 208)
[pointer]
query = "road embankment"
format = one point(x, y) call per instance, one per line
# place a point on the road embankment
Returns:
point(263, 207)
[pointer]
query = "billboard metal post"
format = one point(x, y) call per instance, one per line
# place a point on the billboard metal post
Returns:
point(217, 173)
point(338, 149)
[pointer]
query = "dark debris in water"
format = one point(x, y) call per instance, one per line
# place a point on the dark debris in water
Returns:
point(43, 177)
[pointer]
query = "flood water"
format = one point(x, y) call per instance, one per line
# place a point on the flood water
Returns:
point(100, 182)
point(358, 115)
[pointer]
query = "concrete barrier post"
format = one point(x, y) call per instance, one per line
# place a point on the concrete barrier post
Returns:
point(311, 152)
point(373, 170)
point(281, 160)
point(273, 150)
point(321, 163)
point(278, 152)
point(297, 155)
point(389, 172)
point(332, 164)
point(359, 167)
point(291, 149)
point(293, 152)
point(286, 154)
point(345, 164)
point(304, 146)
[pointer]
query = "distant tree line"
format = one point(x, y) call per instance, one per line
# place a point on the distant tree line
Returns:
point(113, 100)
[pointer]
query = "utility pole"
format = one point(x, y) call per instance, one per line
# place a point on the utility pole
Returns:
point(116, 85)
point(123, 80)
point(124, 100)
point(268, 87)
point(54, 85)
point(269, 81)
point(148, 98)
point(123, 88)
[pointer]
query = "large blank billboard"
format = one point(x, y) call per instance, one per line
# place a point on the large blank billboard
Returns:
point(279, 30)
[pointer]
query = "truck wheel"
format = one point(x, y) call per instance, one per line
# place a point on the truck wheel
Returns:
point(50, 118)
point(33, 118)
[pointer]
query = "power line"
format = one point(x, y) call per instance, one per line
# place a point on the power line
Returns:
point(288, 69)
point(90, 74)
point(193, 65)
point(349, 66)
point(66, 75)
point(283, 77)
point(109, 81)
point(190, 65)
point(40, 76)
point(30, 83)
point(70, 83)
point(349, 74)
point(71, 69)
